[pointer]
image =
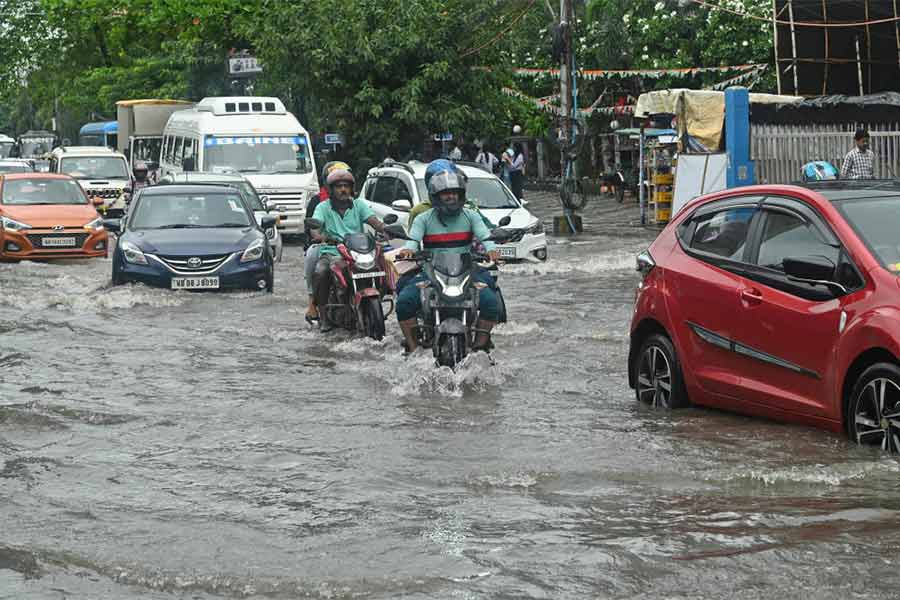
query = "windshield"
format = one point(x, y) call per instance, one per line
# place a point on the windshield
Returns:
point(22, 192)
point(15, 168)
point(280, 154)
point(451, 264)
point(94, 167)
point(176, 211)
point(34, 147)
point(6, 149)
point(482, 192)
point(876, 221)
point(146, 149)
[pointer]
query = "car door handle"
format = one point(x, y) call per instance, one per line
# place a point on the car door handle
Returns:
point(751, 295)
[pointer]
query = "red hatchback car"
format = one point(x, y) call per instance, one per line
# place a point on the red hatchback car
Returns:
point(777, 301)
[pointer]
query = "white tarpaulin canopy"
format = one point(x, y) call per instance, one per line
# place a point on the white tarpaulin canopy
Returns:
point(700, 113)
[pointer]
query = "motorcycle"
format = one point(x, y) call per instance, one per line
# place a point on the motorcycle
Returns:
point(358, 286)
point(447, 321)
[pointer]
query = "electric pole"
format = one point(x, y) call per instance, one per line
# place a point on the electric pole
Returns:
point(570, 192)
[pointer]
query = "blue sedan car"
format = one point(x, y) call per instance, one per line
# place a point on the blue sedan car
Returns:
point(192, 237)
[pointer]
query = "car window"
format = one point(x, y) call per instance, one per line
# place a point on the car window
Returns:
point(723, 233)
point(403, 192)
point(384, 190)
point(785, 235)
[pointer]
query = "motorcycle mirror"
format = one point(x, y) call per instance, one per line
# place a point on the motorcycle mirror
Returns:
point(505, 221)
point(313, 223)
point(390, 219)
point(500, 235)
point(396, 231)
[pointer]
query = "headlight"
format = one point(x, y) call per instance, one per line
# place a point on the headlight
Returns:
point(451, 291)
point(132, 253)
point(96, 224)
point(253, 252)
point(537, 228)
point(363, 261)
point(11, 225)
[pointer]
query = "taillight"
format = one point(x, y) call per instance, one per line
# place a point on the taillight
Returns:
point(645, 263)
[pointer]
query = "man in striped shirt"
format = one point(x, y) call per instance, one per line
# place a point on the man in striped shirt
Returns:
point(859, 162)
point(448, 227)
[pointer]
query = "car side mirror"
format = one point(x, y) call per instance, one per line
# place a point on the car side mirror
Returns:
point(402, 204)
point(112, 225)
point(523, 201)
point(814, 270)
point(504, 221)
point(313, 223)
point(268, 221)
point(396, 232)
point(265, 202)
point(390, 219)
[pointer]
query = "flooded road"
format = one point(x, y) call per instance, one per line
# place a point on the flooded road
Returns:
point(162, 445)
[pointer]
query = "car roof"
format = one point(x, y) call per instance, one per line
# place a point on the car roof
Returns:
point(187, 188)
point(202, 177)
point(37, 175)
point(82, 150)
point(837, 190)
point(417, 169)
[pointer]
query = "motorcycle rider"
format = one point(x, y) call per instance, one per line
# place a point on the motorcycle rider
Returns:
point(447, 227)
point(140, 176)
point(340, 215)
point(310, 245)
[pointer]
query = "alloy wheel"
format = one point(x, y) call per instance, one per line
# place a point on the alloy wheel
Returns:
point(876, 418)
point(654, 384)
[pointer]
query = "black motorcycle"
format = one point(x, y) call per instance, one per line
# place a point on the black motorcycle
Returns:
point(447, 321)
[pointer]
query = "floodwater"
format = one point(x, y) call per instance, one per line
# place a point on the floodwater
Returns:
point(162, 445)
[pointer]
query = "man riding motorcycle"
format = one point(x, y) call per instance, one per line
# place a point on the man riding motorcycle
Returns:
point(340, 215)
point(447, 227)
point(310, 245)
point(141, 179)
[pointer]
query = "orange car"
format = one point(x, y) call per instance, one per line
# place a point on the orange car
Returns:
point(48, 215)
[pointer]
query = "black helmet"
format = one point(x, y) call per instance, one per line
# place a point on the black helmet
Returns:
point(447, 181)
point(140, 169)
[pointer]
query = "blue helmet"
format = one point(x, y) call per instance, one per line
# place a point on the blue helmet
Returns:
point(442, 175)
point(818, 170)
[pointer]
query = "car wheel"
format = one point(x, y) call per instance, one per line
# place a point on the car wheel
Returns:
point(873, 418)
point(659, 380)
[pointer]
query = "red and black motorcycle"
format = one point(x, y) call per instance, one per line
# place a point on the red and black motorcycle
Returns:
point(359, 286)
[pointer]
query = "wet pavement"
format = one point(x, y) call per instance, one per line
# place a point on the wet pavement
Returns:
point(162, 445)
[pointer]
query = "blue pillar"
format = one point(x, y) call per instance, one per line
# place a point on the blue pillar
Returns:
point(737, 137)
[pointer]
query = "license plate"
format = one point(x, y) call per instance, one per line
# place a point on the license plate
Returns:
point(57, 242)
point(195, 283)
point(369, 274)
point(507, 252)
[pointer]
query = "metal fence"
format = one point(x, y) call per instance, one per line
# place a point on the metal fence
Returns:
point(781, 150)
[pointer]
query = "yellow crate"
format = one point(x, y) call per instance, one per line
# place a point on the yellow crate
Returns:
point(663, 178)
point(662, 196)
point(663, 214)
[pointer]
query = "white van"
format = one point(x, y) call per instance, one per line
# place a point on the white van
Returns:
point(254, 136)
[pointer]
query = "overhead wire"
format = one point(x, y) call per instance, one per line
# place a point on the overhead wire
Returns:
point(795, 23)
point(499, 34)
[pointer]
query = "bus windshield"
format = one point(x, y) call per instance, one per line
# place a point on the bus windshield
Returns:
point(265, 155)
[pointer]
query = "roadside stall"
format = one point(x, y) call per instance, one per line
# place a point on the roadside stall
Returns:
point(699, 121)
point(647, 156)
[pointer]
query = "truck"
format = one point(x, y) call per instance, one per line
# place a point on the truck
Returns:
point(141, 124)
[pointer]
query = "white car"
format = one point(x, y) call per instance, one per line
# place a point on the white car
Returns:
point(394, 188)
point(101, 172)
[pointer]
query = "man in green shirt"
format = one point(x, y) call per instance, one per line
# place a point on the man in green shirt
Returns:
point(340, 215)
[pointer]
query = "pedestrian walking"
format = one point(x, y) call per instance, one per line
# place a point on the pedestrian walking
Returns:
point(514, 163)
point(487, 159)
point(859, 163)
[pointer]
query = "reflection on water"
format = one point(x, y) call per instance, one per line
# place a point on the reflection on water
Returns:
point(176, 445)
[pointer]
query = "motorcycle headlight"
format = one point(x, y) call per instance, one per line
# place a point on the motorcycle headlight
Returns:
point(96, 224)
point(253, 252)
point(132, 253)
point(452, 291)
point(363, 261)
point(12, 225)
point(536, 228)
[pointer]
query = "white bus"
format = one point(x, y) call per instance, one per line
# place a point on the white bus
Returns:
point(254, 136)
